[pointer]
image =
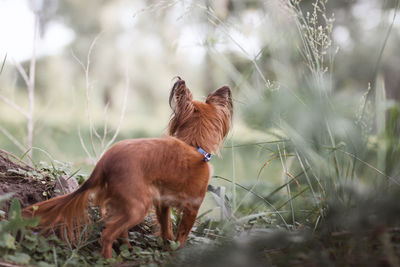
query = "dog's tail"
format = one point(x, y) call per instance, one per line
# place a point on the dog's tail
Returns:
point(67, 214)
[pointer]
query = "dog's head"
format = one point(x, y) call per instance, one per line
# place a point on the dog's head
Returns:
point(200, 124)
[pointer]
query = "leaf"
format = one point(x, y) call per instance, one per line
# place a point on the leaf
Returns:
point(137, 249)
point(125, 253)
point(44, 264)
point(124, 247)
point(18, 257)
point(174, 245)
point(160, 241)
point(111, 260)
point(16, 221)
point(7, 241)
point(43, 248)
point(29, 245)
point(32, 238)
point(15, 209)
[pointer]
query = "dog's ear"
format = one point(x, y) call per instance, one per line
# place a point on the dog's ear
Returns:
point(180, 96)
point(180, 100)
point(221, 97)
point(222, 100)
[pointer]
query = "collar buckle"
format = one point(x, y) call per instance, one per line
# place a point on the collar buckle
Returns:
point(207, 156)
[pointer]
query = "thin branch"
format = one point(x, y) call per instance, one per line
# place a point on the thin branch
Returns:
point(123, 110)
point(19, 160)
point(259, 143)
point(14, 105)
point(22, 72)
point(31, 84)
point(105, 130)
point(370, 166)
point(258, 215)
point(78, 60)
point(92, 128)
point(3, 64)
point(157, 6)
point(84, 146)
point(378, 61)
point(250, 190)
point(213, 19)
point(86, 70)
point(284, 167)
point(12, 139)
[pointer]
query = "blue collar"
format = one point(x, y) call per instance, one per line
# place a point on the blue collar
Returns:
point(207, 156)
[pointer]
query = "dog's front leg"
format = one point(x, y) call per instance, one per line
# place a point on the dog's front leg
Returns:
point(164, 218)
point(186, 224)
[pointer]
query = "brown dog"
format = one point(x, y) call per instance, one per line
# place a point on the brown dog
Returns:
point(134, 174)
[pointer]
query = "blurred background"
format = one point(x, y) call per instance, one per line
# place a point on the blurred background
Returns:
point(106, 66)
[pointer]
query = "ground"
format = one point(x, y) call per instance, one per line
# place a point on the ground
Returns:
point(16, 177)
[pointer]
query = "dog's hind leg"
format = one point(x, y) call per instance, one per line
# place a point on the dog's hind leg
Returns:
point(127, 217)
point(164, 218)
point(124, 236)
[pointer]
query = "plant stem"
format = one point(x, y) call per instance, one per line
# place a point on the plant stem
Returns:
point(31, 85)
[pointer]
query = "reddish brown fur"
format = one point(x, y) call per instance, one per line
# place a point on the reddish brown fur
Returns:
point(135, 174)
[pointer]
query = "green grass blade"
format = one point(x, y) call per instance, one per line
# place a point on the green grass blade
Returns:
point(4, 62)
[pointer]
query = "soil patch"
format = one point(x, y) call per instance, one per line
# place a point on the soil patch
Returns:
point(16, 177)
point(7, 164)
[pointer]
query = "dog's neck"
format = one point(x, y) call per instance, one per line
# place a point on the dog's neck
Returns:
point(207, 134)
point(200, 140)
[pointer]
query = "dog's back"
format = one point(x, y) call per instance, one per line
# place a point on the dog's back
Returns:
point(164, 169)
